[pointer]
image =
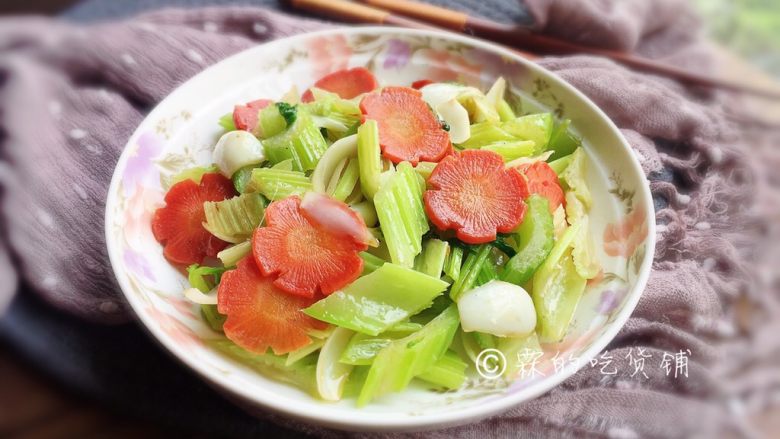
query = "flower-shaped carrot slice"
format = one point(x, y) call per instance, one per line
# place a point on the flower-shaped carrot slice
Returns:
point(303, 256)
point(178, 226)
point(475, 195)
point(408, 129)
point(259, 315)
point(245, 117)
point(347, 83)
point(543, 180)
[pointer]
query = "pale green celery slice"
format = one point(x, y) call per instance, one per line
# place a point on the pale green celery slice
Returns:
point(454, 263)
point(449, 372)
point(213, 318)
point(302, 142)
point(284, 165)
point(276, 184)
point(377, 301)
point(431, 260)
point(403, 359)
point(511, 150)
point(297, 355)
point(505, 111)
point(369, 157)
point(194, 174)
point(231, 255)
point(226, 122)
point(425, 169)
point(362, 348)
point(470, 271)
point(346, 184)
point(402, 218)
point(235, 218)
point(519, 353)
point(370, 262)
point(559, 165)
point(562, 141)
point(573, 177)
point(366, 211)
point(537, 127)
point(301, 373)
point(485, 133)
point(557, 288)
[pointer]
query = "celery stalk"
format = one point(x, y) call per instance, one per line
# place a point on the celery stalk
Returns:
point(557, 288)
point(505, 111)
point(454, 263)
point(425, 169)
point(537, 127)
point(370, 262)
point(362, 349)
point(369, 157)
point(379, 300)
point(234, 219)
point(535, 236)
point(347, 182)
point(403, 359)
point(431, 260)
point(402, 218)
point(213, 318)
point(470, 271)
point(226, 122)
point(366, 211)
point(562, 141)
point(510, 150)
point(485, 133)
point(559, 165)
point(518, 352)
point(276, 184)
point(449, 372)
point(231, 255)
point(302, 142)
point(194, 174)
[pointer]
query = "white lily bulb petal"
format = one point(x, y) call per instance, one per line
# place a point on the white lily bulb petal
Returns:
point(439, 93)
point(498, 308)
point(496, 92)
point(457, 118)
point(235, 150)
point(331, 374)
point(196, 296)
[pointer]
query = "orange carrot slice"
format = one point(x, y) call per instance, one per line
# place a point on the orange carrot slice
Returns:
point(543, 180)
point(245, 117)
point(347, 83)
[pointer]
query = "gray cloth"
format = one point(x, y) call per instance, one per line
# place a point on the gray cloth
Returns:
point(76, 93)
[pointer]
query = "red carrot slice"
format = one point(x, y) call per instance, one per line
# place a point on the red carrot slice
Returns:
point(346, 83)
point(302, 257)
point(420, 83)
point(245, 116)
point(178, 226)
point(408, 129)
point(259, 315)
point(543, 180)
point(475, 195)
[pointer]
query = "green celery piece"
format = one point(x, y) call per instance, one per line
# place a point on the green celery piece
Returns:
point(408, 357)
point(485, 133)
point(366, 211)
point(194, 174)
point(573, 177)
point(284, 165)
point(301, 353)
point(431, 260)
point(470, 271)
point(562, 141)
point(347, 182)
point(242, 177)
point(454, 263)
point(272, 121)
point(301, 374)
point(402, 218)
point(369, 157)
point(505, 111)
point(235, 217)
point(362, 349)
point(355, 381)
point(510, 150)
point(213, 318)
point(425, 169)
point(370, 262)
point(302, 142)
point(449, 372)
point(330, 105)
point(377, 301)
point(537, 127)
point(559, 165)
point(487, 273)
point(557, 288)
point(535, 236)
point(203, 277)
point(226, 122)
point(276, 184)
point(231, 255)
point(484, 341)
point(518, 352)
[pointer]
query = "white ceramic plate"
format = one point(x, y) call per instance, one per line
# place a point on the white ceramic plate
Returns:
point(181, 131)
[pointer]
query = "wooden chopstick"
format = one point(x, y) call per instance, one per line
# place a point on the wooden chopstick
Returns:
point(407, 13)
